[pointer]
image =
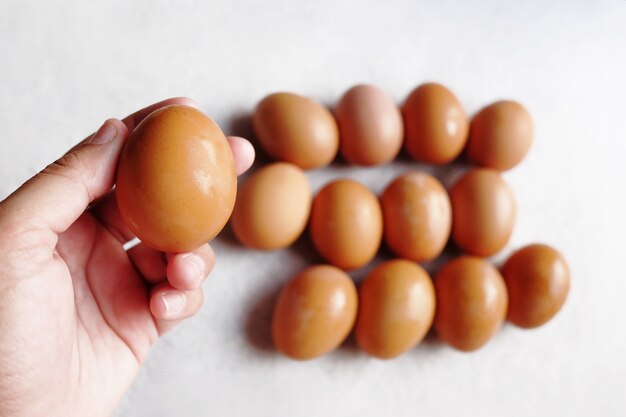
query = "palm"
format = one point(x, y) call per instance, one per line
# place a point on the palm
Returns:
point(92, 323)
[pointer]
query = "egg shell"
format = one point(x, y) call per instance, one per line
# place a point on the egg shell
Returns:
point(176, 181)
point(272, 207)
point(396, 308)
point(417, 216)
point(346, 224)
point(471, 302)
point(314, 313)
point(436, 126)
point(483, 212)
point(370, 126)
point(538, 281)
point(296, 129)
point(500, 135)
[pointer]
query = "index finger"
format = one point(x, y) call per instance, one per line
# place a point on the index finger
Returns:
point(134, 119)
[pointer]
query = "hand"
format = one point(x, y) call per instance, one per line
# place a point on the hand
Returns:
point(78, 313)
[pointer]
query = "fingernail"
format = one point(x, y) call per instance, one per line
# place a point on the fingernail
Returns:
point(197, 263)
point(105, 134)
point(174, 301)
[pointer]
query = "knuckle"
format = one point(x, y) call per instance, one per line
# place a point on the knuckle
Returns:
point(69, 166)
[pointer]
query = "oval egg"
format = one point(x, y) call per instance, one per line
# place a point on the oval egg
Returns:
point(370, 126)
point(417, 216)
point(471, 302)
point(314, 313)
point(272, 207)
point(538, 280)
point(483, 211)
point(296, 129)
point(500, 135)
point(396, 308)
point(176, 181)
point(435, 124)
point(346, 224)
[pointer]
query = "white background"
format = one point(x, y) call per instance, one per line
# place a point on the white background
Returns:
point(66, 66)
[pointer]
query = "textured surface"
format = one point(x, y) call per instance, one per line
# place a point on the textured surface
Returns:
point(68, 65)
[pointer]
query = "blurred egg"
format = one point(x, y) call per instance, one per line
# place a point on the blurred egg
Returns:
point(370, 126)
point(272, 207)
point(176, 182)
point(295, 129)
point(483, 212)
point(435, 124)
point(500, 135)
point(346, 224)
point(396, 308)
point(314, 313)
point(538, 279)
point(417, 216)
point(471, 302)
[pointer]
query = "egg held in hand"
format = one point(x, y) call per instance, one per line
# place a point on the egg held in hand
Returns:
point(176, 181)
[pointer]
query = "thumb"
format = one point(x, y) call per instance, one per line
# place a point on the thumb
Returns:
point(58, 195)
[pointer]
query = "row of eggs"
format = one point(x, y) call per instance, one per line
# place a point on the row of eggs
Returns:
point(369, 129)
point(398, 302)
point(415, 215)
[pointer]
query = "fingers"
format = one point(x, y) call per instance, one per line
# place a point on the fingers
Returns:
point(134, 119)
point(58, 195)
point(108, 214)
point(170, 306)
point(243, 153)
point(149, 262)
point(184, 271)
point(187, 271)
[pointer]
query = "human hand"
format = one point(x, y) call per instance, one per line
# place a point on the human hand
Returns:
point(78, 313)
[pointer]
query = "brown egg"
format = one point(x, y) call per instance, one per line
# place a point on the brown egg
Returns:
point(295, 129)
point(272, 207)
point(500, 135)
point(396, 308)
point(538, 279)
point(417, 216)
point(471, 302)
point(314, 313)
point(435, 124)
point(176, 181)
point(370, 126)
point(483, 212)
point(346, 224)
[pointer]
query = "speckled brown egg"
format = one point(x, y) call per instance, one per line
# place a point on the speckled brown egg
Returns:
point(483, 212)
point(176, 181)
point(296, 129)
point(417, 216)
point(538, 280)
point(471, 302)
point(500, 135)
point(370, 126)
point(314, 313)
point(272, 207)
point(435, 124)
point(396, 308)
point(346, 224)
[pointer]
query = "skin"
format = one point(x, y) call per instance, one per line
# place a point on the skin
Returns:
point(78, 314)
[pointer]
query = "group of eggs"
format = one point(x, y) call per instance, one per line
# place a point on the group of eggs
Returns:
point(176, 188)
point(398, 302)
